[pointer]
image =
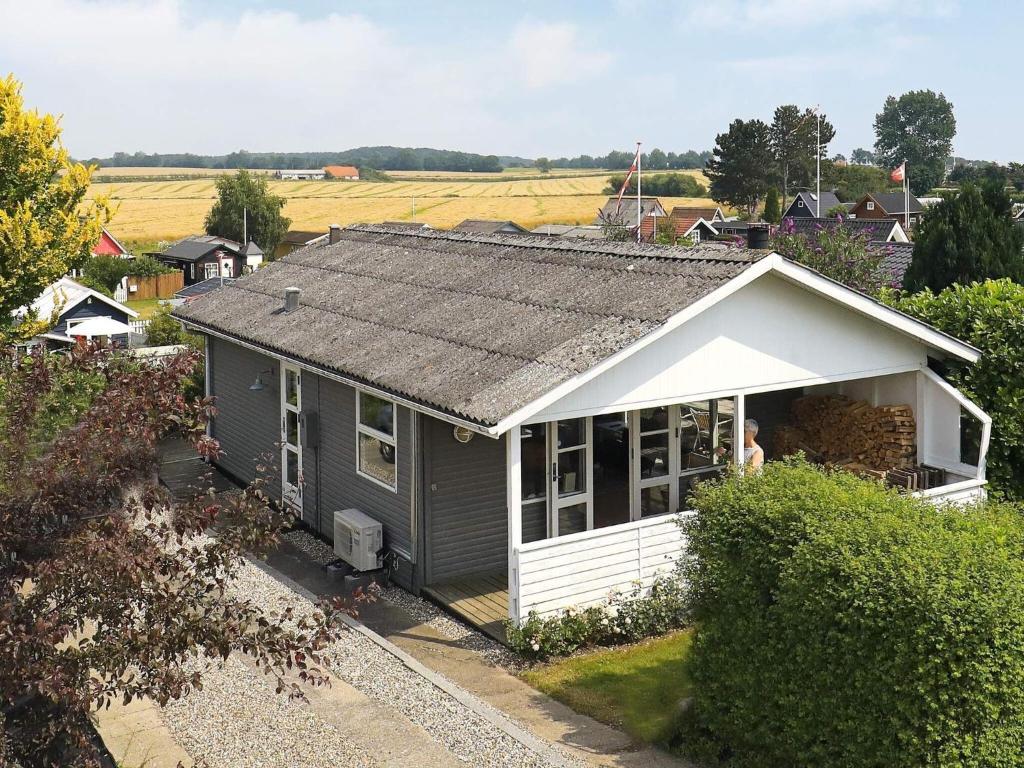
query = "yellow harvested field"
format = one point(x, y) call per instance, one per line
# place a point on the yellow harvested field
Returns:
point(160, 210)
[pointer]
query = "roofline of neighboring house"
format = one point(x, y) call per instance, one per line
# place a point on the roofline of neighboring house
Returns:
point(116, 241)
point(772, 263)
point(92, 293)
point(696, 223)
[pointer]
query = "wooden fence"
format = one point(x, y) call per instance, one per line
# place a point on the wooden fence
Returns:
point(153, 287)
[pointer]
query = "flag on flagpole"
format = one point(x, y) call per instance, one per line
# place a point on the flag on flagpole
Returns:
point(625, 183)
point(898, 174)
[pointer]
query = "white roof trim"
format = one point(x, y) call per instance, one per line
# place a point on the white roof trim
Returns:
point(707, 223)
point(773, 263)
point(105, 299)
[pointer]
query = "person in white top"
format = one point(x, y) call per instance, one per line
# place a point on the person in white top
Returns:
point(753, 454)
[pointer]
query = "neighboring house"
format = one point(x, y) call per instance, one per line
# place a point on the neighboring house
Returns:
point(71, 304)
point(896, 259)
point(315, 175)
point(624, 214)
point(490, 227)
point(108, 245)
point(584, 231)
point(252, 256)
point(524, 415)
point(805, 206)
point(297, 238)
point(346, 172)
point(194, 291)
point(887, 205)
point(886, 230)
point(204, 256)
point(696, 224)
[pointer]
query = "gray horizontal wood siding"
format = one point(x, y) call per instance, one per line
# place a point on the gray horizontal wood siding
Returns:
point(247, 424)
point(467, 522)
point(341, 487)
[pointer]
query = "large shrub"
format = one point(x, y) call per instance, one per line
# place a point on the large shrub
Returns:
point(990, 316)
point(843, 624)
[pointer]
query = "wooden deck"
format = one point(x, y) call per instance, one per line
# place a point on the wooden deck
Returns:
point(480, 599)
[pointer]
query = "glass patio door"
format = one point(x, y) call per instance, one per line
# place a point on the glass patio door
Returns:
point(655, 461)
point(570, 448)
point(291, 437)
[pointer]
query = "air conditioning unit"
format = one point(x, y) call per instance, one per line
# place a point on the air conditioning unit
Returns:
point(357, 539)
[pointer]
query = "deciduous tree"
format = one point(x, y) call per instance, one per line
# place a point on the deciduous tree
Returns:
point(740, 165)
point(918, 127)
point(794, 138)
point(46, 228)
point(104, 594)
point(249, 192)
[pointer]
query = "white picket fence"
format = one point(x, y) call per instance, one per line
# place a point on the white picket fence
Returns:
point(138, 326)
point(583, 569)
point(121, 291)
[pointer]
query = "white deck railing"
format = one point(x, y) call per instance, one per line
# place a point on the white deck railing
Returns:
point(583, 569)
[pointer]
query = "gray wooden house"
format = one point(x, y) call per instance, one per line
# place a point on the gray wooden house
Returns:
point(524, 414)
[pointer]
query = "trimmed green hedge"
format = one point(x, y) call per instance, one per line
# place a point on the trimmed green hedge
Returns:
point(843, 624)
point(990, 316)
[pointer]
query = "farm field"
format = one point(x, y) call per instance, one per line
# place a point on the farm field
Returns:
point(162, 210)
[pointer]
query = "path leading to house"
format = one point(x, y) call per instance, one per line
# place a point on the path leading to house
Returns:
point(466, 662)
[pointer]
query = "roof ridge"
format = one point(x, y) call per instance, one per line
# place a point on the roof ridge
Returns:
point(543, 243)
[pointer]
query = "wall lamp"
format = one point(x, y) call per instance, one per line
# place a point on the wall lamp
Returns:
point(258, 385)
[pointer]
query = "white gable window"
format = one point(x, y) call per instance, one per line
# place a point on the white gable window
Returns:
point(799, 203)
point(376, 440)
point(870, 205)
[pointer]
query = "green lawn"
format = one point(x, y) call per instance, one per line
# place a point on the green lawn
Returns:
point(637, 688)
point(145, 307)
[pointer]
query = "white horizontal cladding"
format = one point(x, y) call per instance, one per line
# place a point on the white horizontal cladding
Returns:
point(584, 569)
point(769, 334)
point(963, 492)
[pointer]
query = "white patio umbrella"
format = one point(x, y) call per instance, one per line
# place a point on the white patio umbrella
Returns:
point(100, 326)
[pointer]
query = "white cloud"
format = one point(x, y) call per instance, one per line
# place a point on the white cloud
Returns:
point(551, 54)
point(738, 14)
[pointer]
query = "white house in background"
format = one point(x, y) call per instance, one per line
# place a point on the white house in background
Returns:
point(313, 174)
point(523, 416)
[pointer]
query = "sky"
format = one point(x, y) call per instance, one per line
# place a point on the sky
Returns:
point(525, 78)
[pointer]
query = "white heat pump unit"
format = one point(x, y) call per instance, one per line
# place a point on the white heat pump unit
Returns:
point(357, 539)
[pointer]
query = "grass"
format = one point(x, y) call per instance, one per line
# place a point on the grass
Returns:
point(165, 210)
point(145, 307)
point(637, 688)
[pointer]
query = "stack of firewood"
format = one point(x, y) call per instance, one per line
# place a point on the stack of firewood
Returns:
point(838, 430)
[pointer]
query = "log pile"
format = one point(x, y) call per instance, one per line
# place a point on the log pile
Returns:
point(853, 434)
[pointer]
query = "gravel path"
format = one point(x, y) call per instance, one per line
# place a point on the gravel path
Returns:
point(238, 721)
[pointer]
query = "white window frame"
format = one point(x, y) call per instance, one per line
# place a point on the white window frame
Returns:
point(392, 440)
point(870, 206)
point(208, 272)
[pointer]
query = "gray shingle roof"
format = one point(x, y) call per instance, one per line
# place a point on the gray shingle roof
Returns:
point(810, 205)
point(624, 214)
point(203, 286)
point(896, 261)
point(893, 202)
point(475, 325)
point(490, 227)
point(190, 250)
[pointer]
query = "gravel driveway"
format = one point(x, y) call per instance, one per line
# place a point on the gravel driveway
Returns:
point(238, 721)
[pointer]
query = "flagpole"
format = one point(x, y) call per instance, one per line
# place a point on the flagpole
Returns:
point(817, 153)
point(639, 199)
point(906, 198)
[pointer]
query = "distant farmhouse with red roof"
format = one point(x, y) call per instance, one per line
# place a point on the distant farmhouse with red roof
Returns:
point(348, 172)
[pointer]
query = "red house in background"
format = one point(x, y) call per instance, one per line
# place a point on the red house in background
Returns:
point(109, 246)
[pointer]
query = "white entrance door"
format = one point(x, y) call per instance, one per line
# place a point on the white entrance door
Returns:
point(291, 436)
point(572, 488)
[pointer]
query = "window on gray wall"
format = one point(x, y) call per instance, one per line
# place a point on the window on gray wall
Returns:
point(376, 440)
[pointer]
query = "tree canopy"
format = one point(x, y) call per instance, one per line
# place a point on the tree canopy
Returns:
point(918, 127)
point(665, 184)
point(264, 222)
point(794, 139)
point(46, 228)
point(740, 164)
point(967, 237)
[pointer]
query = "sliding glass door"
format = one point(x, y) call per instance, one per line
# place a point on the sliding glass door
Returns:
point(572, 495)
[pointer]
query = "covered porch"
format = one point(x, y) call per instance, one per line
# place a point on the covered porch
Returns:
point(592, 498)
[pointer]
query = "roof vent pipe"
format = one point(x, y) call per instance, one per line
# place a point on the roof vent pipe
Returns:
point(758, 236)
point(335, 235)
point(291, 299)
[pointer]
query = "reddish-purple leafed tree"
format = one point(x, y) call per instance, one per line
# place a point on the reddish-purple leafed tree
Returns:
point(105, 590)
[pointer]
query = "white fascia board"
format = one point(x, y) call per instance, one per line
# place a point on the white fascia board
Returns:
point(858, 302)
point(522, 415)
point(772, 263)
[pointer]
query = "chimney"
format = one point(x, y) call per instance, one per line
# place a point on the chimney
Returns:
point(335, 235)
point(291, 299)
point(757, 236)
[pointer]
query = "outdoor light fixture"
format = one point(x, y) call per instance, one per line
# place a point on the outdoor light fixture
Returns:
point(258, 385)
